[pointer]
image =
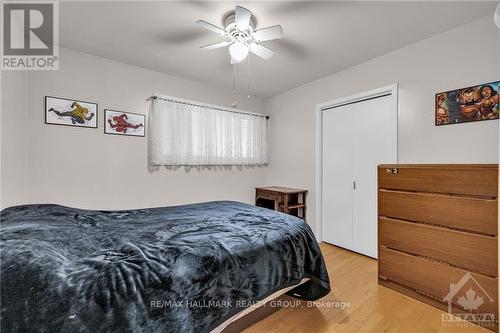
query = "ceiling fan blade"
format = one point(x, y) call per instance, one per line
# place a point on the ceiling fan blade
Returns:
point(215, 45)
point(242, 18)
point(211, 27)
point(261, 51)
point(269, 33)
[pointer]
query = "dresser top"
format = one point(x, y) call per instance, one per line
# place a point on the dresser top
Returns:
point(280, 189)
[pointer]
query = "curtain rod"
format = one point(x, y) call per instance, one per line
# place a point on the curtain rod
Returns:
point(203, 105)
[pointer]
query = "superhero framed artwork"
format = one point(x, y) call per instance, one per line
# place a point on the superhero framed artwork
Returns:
point(468, 104)
point(124, 123)
point(70, 112)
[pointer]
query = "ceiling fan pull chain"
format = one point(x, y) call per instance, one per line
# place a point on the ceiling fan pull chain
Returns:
point(235, 100)
point(248, 79)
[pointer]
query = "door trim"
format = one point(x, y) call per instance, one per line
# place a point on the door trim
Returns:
point(390, 89)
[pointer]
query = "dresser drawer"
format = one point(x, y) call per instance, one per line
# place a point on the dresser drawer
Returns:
point(472, 252)
point(415, 273)
point(465, 213)
point(479, 180)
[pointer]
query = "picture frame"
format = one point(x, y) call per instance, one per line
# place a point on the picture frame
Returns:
point(124, 123)
point(469, 104)
point(70, 112)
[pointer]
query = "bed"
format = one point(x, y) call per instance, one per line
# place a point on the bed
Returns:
point(190, 268)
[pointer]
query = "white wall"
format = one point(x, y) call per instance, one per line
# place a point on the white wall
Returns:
point(84, 167)
point(460, 57)
point(13, 180)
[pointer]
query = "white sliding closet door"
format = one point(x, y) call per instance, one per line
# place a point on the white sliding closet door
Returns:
point(355, 138)
point(373, 144)
point(337, 160)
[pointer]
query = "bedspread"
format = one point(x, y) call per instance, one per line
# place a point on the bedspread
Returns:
point(170, 269)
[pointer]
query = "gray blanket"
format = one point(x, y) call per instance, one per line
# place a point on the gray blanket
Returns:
point(172, 269)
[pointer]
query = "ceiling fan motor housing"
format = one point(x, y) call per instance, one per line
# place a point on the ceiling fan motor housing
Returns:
point(232, 30)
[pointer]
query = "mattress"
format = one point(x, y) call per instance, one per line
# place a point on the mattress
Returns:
point(184, 268)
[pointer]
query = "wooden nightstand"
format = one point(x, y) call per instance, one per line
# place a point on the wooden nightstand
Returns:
point(283, 199)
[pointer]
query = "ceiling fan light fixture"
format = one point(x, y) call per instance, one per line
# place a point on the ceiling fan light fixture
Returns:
point(238, 51)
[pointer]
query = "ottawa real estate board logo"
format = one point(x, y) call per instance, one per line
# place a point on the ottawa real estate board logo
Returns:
point(30, 35)
point(468, 302)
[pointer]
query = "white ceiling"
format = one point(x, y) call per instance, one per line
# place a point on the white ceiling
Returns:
point(320, 37)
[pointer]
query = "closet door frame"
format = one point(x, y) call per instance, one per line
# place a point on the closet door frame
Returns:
point(387, 90)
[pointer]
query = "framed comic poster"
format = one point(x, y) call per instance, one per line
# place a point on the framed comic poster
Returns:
point(124, 123)
point(468, 104)
point(70, 112)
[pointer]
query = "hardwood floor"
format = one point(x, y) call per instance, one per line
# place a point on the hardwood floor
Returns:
point(373, 308)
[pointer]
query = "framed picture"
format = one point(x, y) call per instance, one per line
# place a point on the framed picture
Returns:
point(124, 123)
point(467, 104)
point(70, 112)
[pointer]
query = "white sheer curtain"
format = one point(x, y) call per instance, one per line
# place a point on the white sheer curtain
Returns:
point(190, 133)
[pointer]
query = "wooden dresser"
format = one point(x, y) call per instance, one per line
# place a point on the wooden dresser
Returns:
point(283, 199)
point(437, 226)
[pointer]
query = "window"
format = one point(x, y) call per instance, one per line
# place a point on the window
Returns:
point(189, 133)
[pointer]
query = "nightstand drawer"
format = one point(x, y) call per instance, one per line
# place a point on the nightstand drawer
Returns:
point(268, 195)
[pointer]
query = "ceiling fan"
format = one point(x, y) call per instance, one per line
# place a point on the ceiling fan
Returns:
point(241, 36)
